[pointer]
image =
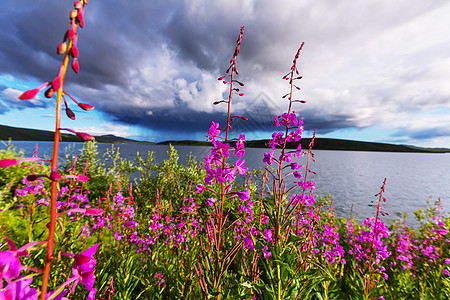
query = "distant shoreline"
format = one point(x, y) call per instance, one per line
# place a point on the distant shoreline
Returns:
point(25, 134)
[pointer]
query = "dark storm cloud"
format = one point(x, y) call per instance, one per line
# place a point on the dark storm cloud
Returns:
point(155, 63)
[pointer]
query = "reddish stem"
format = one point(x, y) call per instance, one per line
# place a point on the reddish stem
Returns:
point(54, 166)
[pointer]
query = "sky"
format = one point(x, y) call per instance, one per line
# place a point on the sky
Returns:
point(374, 70)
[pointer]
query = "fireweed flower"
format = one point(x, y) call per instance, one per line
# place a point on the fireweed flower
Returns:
point(214, 130)
point(214, 175)
point(268, 234)
point(211, 201)
point(83, 270)
point(266, 252)
point(160, 279)
point(240, 166)
point(220, 149)
point(19, 290)
point(199, 188)
point(268, 158)
point(30, 94)
point(239, 149)
point(289, 119)
point(10, 265)
point(245, 195)
point(248, 242)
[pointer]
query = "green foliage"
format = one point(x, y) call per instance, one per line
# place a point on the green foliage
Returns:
point(12, 177)
point(294, 270)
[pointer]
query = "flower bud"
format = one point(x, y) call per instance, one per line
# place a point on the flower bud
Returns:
point(82, 178)
point(70, 33)
point(73, 13)
point(61, 48)
point(80, 20)
point(49, 92)
point(77, 4)
point(94, 211)
point(74, 51)
point(8, 162)
point(85, 106)
point(75, 65)
point(32, 177)
point(30, 94)
point(56, 83)
point(85, 136)
point(55, 176)
point(70, 113)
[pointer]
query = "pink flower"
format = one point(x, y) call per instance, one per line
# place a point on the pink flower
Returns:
point(248, 242)
point(56, 83)
point(211, 201)
point(61, 48)
point(214, 130)
point(74, 51)
point(19, 290)
point(214, 175)
point(83, 269)
point(245, 195)
point(268, 158)
point(240, 166)
point(266, 253)
point(10, 265)
point(199, 188)
point(268, 234)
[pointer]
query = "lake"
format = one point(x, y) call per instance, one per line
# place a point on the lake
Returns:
point(351, 177)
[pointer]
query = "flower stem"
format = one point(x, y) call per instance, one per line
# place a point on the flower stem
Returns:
point(54, 166)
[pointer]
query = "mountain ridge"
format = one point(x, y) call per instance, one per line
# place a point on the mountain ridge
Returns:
point(26, 134)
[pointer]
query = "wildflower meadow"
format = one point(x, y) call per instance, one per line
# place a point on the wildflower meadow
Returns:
point(90, 225)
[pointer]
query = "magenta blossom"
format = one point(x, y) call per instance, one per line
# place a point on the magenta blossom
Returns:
point(268, 234)
point(220, 149)
point(199, 188)
point(211, 201)
point(239, 149)
point(268, 158)
point(240, 166)
point(214, 130)
point(10, 265)
point(214, 175)
point(19, 290)
point(245, 195)
point(266, 252)
point(83, 270)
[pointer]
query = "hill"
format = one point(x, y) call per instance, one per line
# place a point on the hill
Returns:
point(327, 144)
point(25, 134)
